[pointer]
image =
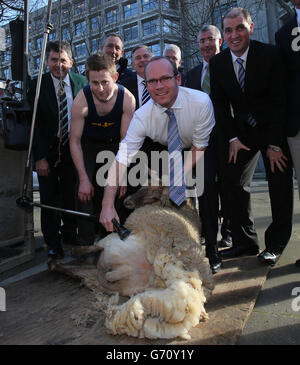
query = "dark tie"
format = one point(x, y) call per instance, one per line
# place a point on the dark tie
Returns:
point(177, 183)
point(206, 81)
point(63, 115)
point(241, 76)
point(145, 95)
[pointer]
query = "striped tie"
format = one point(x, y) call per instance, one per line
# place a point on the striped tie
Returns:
point(145, 95)
point(206, 81)
point(177, 183)
point(241, 76)
point(63, 115)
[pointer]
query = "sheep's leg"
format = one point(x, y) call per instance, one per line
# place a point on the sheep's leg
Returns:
point(85, 250)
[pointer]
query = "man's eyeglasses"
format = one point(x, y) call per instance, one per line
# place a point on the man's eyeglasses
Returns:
point(163, 80)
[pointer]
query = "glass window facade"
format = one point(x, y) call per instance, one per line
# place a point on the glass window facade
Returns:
point(80, 28)
point(149, 5)
point(130, 10)
point(80, 50)
point(112, 16)
point(150, 27)
point(131, 33)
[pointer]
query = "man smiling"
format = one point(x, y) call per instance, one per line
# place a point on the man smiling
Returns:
point(101, 114)
point(192, 110)
point(248, 92)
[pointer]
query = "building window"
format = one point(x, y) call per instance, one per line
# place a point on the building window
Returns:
point(53, 18)
point(80, 50)
point(38, 23)
point(39, 43)
point(37, 62)
point(149, 5)
point(155, 48)
point(149, 27)
point(65, 34)
point(131, 33)
point(80, 68)
point(112, 16)
point(127, 55)
point(170, 26)
point(65, 14)
point(94, 24)
point(79, 8)
point(52, 36)
point(6, 73)
point(6, 57)
point(170, 4)
point(80, 28)
point(95, 3)
point(130, 10)
point(95, 45)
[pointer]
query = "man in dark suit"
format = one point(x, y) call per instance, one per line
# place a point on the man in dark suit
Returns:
point(113, 46)
point(140, 56)
point(247, 89)
point(53, 163)
point(287, 39)
point(210, 41)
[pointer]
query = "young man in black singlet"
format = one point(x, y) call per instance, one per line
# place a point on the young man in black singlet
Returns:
point(101, 114)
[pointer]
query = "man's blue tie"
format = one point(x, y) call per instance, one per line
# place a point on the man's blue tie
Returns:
point(177, 183)
point(241, 76)
point(63, 114)
point(145, 95)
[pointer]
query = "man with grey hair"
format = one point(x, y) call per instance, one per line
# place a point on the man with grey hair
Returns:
point(173, 52)
point(210, 41)
point(249, 96)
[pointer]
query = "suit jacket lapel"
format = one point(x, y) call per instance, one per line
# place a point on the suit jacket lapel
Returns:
point(251, 67)
point(50, 93)
point(230, 74)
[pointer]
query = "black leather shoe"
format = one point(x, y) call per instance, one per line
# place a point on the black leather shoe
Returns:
point(56, 254)
point(225, 242)
point(216, 267)
point(297, 263)
point(239, 251)
point(268, 257)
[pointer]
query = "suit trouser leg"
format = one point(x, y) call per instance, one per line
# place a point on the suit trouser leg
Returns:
point(50, 219)
point(239, 177)
point(281, 194)
point(209, 203)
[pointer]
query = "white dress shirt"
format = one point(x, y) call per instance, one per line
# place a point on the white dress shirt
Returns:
point(194, 113)
point(69, 94)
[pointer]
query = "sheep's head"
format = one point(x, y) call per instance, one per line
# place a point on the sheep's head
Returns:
point(147, 195)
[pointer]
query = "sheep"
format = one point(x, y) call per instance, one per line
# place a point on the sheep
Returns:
point(160, 266)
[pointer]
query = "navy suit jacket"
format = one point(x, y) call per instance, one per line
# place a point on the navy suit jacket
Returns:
point(286, 42)
point(193, 77)
point(264, 97)
point(132, 86)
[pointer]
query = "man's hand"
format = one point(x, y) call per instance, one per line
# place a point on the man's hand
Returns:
point(276, 158)
point(234, 148)
point(42, 167)
point(85, 191)
point(106, 216)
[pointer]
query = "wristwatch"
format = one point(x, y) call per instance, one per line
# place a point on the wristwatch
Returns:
point(274, 148)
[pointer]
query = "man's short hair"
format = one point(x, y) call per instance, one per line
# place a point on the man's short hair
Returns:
point(98, 62)
point(114, 35)
point(156, 58)
point(209, 27)
point(235, 12)
point(142, 46)
point(58, 47)
point(174, 48)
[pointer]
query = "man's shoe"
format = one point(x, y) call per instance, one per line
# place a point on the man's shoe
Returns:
point(268, 257)
point(56, 254)
point(297, 263)
point(239, 251)
point(216, 267)
point(225, 242)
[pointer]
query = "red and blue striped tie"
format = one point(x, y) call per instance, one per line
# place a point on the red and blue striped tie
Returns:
point(177, 183)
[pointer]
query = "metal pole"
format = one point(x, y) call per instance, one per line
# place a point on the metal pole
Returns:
point(37, 94)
